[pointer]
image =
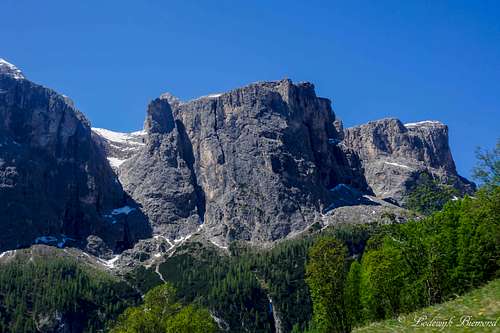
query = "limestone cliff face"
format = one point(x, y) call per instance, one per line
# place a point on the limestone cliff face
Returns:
point(55, 183)
point(259, 163)
point(160, 176)
point(393, 155)
point(255, 163)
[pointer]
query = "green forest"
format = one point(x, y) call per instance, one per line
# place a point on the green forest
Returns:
point(34, 293)
point(336, 280)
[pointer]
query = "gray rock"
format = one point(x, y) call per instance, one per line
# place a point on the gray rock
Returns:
point(259, 163)
point(160, 177)
point(394, 155)
point(55, 182)
point(255, 163)
point(97, 247)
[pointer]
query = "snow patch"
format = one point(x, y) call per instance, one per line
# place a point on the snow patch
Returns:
point(214, 95)
point(45, 240)
point(165, 238)
point(7, 253)
point(60, 241)
point(398, 165)
point(218, 245)
point(424, 123)
point(138, 133)
point(115, 162)
point(182, 239)
point(340, 187)
point(111, 262)
point(207, 96)
point(120, 137)
point(11, 70)
point(122, 210)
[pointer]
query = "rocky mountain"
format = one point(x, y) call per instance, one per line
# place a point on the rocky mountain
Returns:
point(256, 163)
point(259, 163)
point(394, 155)
point(56, 186)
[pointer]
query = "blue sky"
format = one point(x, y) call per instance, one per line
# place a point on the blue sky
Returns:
point(414, 60)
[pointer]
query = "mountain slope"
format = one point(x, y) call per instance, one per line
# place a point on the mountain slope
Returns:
point(45, 289)
point(478, 310)
point(56, 185)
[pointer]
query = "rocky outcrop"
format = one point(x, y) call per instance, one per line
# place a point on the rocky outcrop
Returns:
point(160, 176)
point(259, 163)
point(55, 182)
point(255, 163)
point(394, 155)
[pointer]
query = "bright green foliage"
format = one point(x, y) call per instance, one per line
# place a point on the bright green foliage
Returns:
point(426, 262)
point(161, 312)
point(483, 304)
point(429, 195)
point(487, 170)
point(381, 282)
point(478, 239)
point(325, 276)
point(45, 288)
point(352, 293)
point(191, 319)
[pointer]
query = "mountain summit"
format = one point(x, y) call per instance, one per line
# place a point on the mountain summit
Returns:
point(56, 186)
point(6, 68)
point(259, 163)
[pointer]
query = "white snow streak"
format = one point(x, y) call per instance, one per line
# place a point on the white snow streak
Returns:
point(398, 165)
point(120, 137)
point(7, 253)
point(213, 95)
point(218, 245)
point(424, 123)
point(115, 162)
point(111, 262)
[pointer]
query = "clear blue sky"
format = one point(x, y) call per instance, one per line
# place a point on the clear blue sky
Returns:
point(414, 60)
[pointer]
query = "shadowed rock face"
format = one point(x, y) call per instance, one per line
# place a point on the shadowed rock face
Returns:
point(394, 155)
point(255, 163)
point(54, 181)
point(160, 176)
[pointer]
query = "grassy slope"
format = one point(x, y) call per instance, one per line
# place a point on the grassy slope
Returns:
point(481, 304)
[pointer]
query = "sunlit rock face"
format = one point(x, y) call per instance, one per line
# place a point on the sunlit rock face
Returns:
point(259, 163)
point(394, 155)
point(255, 163)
